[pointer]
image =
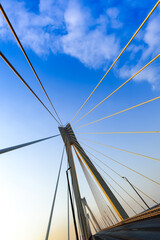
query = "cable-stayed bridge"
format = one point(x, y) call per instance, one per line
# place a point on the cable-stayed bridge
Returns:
point(111, 220)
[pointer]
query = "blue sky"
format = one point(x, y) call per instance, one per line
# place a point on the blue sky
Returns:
point(71, 44)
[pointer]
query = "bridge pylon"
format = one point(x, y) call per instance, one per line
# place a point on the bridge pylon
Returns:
point(97, 228)
point(80, 211)
point(70, 140)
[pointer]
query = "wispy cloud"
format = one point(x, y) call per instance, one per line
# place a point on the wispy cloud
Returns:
point(145, 48)
point(87, 38)
point(72, 28)
point(65, 27)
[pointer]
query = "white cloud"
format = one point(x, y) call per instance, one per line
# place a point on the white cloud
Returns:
point(86, 38)
point(150, 74)
point(152, 36)
point(70, 28)
point(80, 35)
point(2, 28)
point(113, 15)
point(36, 31)
point(54, 9)
point(142, 53)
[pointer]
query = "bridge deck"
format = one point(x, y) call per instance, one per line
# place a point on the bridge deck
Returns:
point(144, 226)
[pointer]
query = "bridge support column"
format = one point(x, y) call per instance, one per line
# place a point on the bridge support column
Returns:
point(87, 216)
point(92, 215)
point(81, 215)
point(68, 132)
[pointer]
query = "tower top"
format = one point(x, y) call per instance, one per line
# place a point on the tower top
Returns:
point(67, 130)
